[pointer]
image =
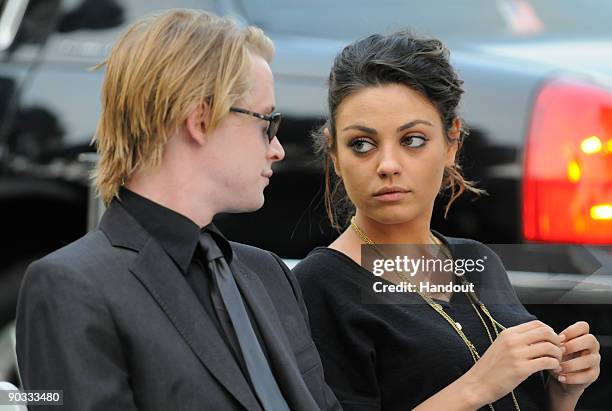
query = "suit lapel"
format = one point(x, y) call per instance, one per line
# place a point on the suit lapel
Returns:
point(284, 363)
point(164, 281)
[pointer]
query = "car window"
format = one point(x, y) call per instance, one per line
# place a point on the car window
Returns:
point(97, 15)
point(449, 20)
point(87, 28)
point(63, 90)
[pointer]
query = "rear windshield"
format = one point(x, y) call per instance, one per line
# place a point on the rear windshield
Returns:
point(449, 20)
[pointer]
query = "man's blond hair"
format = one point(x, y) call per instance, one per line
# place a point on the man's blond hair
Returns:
point(159, 70)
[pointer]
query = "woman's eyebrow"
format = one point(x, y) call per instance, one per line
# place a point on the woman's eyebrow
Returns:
point(412, 124)
point(373, 131)
point(361, 128)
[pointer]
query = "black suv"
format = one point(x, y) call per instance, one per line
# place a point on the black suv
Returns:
point(538, 80)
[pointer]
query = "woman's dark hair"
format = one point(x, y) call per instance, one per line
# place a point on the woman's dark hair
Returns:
point(398, 58)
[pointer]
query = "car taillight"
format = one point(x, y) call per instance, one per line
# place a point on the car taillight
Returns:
point(567, 185)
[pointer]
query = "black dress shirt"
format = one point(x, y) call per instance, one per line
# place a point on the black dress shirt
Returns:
point(179, 237)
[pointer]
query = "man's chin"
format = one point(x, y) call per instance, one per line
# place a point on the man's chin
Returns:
point(246, 207)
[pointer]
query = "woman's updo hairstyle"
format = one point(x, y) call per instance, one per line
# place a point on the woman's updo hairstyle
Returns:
point(398, 58)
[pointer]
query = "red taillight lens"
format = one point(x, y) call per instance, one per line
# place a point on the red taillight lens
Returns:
point(567, 185)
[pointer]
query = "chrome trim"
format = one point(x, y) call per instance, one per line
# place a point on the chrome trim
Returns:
point(10, 20)
point(95, 205)
point(8, 359)
point(290, 262)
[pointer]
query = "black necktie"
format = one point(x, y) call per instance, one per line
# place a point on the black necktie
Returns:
point(257, 365)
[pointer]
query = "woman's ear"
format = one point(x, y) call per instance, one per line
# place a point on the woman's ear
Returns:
point(198, 122)
point(332, 151)
point(454, 135)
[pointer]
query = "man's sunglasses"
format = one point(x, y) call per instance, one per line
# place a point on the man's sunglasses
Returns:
point(273, 120)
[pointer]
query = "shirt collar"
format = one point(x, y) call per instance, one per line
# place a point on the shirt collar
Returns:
point(222, 242)
point(177, 234)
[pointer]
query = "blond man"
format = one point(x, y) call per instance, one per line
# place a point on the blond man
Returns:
point(155, 309)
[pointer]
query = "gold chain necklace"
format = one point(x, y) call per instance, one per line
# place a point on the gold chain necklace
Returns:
point(438, 308)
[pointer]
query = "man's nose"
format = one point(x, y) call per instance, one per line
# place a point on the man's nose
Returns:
point(276, 150)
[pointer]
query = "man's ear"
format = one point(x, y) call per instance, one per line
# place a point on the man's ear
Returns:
point(332, 151)
point(454, 135)
point(198, 122)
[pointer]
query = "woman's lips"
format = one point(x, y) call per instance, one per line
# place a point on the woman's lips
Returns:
point(391, 193)
point(392, 196)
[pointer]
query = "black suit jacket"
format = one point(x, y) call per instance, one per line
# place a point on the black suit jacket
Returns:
point(111, 321)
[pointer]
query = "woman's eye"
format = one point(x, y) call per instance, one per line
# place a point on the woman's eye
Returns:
point(413, 141)
point(361, 146)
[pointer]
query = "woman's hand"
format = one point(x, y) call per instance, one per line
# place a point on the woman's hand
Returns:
point(580, 361)
point(515, 354)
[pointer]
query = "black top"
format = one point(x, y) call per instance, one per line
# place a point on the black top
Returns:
point(177, 234)
point(383, 352)
point(179, 237)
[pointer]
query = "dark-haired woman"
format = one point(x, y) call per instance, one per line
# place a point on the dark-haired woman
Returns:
point(390, 147)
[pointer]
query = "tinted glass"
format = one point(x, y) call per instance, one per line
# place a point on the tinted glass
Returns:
point(449, 20)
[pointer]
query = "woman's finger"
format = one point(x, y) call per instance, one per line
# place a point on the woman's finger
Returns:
point(528, 326)
point(575, 330)
point(584, 342)
point(583, 377)
point(581, 363)
point(544, 349)
point(539, 334)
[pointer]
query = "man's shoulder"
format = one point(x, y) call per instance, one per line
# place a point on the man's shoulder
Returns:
point(92, 243)
point(269, 267)
point(63, 271)
point(254, 256)
point(84, 257)
point(240, 247)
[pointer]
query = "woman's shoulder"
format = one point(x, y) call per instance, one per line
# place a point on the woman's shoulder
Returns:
point(325, 268)
point(491, 274)
point(318, 255)
point(321, 262)
point(456, 240)
point(467, 247)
